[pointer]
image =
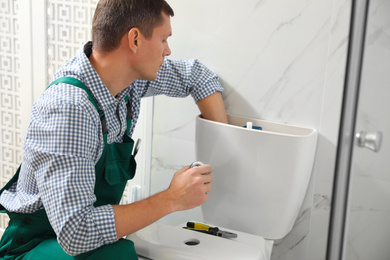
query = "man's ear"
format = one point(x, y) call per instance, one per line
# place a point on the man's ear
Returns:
point(133, 37)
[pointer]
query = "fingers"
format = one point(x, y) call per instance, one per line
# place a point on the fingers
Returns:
point(191, 186)
point(203, 169)
point(207, 178)
point(207, 187)
point(202, 180)
point(202, 172)
point(182, 170)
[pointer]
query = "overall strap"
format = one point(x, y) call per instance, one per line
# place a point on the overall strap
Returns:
point(80, 84)
point(128, 116)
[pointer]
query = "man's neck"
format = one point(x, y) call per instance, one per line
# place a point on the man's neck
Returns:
point(111, 68)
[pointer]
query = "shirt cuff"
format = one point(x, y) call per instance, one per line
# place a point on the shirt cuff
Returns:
point(105, 221)
point(212, 86)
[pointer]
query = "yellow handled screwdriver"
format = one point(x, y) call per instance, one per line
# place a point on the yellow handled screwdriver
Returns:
point(209, 230)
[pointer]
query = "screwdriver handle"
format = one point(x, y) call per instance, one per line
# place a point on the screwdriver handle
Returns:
point(197, 226)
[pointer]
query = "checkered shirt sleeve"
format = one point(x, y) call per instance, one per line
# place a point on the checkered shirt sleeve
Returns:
point(180, 78)
point(62, 149)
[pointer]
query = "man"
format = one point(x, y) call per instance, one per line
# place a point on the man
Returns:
point(63, 200)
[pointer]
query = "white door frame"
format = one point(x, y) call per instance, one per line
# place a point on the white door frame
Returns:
point(33, 54)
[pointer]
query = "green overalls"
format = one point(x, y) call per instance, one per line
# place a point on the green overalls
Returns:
point(30, 236)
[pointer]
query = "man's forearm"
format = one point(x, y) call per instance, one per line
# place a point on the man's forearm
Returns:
point(132, 217)
point(188, 189)
point(213, 108)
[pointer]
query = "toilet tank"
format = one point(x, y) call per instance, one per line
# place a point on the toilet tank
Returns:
point(260, 176)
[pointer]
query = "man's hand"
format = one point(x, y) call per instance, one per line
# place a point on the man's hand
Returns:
point(189, 187)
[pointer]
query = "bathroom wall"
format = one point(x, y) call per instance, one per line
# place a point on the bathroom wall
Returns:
point(282, 61)
point(10, 95)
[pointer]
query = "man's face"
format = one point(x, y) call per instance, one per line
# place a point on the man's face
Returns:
point(155, 49)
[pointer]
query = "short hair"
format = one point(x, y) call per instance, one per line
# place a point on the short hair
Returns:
point(114, 18)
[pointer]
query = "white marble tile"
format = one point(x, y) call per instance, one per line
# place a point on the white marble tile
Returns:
point(270, 56)
point(278, 60)
point(329, 127)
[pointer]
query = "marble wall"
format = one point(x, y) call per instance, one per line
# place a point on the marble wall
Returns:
point(280, 60)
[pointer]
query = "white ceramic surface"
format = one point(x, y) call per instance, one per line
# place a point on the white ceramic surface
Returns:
point(164, 242)
point(260, 177)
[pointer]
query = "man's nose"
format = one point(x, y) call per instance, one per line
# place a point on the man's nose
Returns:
point(167, 51)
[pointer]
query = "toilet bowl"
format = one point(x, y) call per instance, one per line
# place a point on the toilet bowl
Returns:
point(159, 241)
point(260, 179)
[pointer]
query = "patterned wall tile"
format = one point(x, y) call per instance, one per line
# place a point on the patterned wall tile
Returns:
point(10, 130)
point(69, 26)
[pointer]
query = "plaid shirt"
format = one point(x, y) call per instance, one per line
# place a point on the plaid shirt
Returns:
point(64, 142)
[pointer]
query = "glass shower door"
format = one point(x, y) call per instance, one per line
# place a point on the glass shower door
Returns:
point(368, 213)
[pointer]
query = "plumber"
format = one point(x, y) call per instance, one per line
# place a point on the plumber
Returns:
point(63, 200)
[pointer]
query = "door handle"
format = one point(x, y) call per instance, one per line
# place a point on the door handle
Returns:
point(371, 140)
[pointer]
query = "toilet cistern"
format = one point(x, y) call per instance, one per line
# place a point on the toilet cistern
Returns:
point(253, 194)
